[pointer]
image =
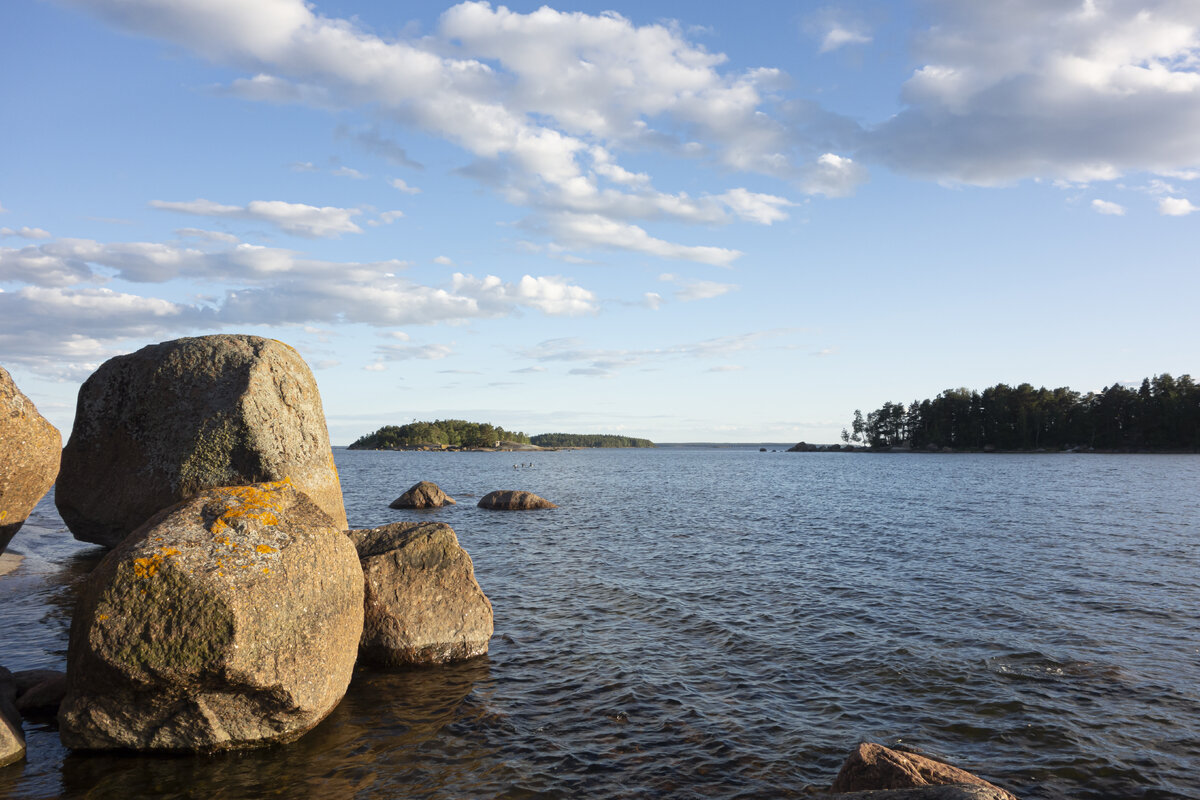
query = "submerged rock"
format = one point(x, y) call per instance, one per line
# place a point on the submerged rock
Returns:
point(873, 766)
point(425, 494)
point(422, 602)
point(227, 621)
point(29, 454)
point(173, 419)
point(39, 691)
point(509, 500)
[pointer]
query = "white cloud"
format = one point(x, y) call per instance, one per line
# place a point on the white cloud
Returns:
point(400, 185)
point(833, 176)
point(1176, 207)
point(1026, 88)
point(761, 208)
point(549, 294)
point(377, 366)
point(348, 172)
point(445, 261)
point(653, 300)
point(408, 352)
point(303, 166)
point(838, 36)
point(25, 232)
point(726, 368)
point(607, 362)
point(208, 236)
point(1109, 208)
point(296, 218)
point(595, 231)
point(696, 290)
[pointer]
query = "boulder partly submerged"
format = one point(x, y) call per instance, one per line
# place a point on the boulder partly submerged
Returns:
point(510, 500)
point(230, 620)
point(873, 767)
point(12, 735)
point(158, 426)
point(425, 494)
point(29, 454)
point(422, 602)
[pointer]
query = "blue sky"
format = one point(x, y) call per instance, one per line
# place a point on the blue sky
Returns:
point(687, 221)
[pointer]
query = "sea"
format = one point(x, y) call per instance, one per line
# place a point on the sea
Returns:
point(724, 622)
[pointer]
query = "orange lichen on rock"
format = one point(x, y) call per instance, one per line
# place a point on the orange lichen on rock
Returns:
point(257, 503)
point(266, 548)
point(148, 567)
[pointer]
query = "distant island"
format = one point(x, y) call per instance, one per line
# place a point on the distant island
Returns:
point(588, 440)
point(458, 434)
point(1162, 414)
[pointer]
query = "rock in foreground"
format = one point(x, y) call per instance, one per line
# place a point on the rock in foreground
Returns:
point(29, 454)
point(425, 494)
point(423, 604)
point(873, 766)
point(158, 426)
point(506, 500)
point(12, 735)
point(230, 620)
point(955, 791)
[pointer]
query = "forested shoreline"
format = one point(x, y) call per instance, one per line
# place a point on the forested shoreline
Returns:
point(1163, 413)
point(588, 440)
point(449, 432)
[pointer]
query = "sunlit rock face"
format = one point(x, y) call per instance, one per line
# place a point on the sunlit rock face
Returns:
point(29, 455)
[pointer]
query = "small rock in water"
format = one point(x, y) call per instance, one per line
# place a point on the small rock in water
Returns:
point(510, 500)
point(425, 494)
point(872, 767)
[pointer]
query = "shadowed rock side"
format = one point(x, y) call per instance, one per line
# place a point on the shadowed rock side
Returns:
point(29, 454)
point(508, 500)
point(872, 766)
point(425, 494)
point(423, 604)
point(173, 419)
point(228, 621)
point(12, 735)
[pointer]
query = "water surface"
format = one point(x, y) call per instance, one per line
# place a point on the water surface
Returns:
point(729, 623)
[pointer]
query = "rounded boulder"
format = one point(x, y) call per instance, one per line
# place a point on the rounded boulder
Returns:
point(29, 454)
point(509, 500)
point(158, 426)
point(425, 494)
point(422, 602)
point(230, 620)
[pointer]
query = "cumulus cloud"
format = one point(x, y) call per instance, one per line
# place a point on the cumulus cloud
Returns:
point(545, 98)
point(208, 236)
point(550, 294)
point(1109, 208)
point(838, 36)
point(596, 231)
point(295, 218)
point(1026, 88)
point(400, 185)
point(1176, 206)
point(25, 232)
point(445, 261)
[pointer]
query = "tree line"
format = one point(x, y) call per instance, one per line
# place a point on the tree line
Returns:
point(1163, 413)
point(588, 440)
point(453, 432)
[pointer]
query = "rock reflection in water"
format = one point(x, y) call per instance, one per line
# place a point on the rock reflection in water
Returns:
point(396, 734)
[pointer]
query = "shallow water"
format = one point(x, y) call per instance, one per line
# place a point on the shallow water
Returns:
point(730, 623)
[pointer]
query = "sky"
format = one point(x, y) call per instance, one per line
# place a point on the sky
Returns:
point(701, 221)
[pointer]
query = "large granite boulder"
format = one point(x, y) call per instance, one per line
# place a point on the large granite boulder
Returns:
point(227, 621)
point(507, 500)
point(873, 766)
point(423, 604)
point(29, 453)
point(425, 494)
point(157, 426)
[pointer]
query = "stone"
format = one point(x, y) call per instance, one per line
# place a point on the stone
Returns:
point(507, 500)
point(158, 426)
point(422, 602)
point(44, 696)
point(873, 766)
point(12, 735)
point(230, 620)
point(30, 448)
point(8, 687)
point(425, 494)
point(943, 792)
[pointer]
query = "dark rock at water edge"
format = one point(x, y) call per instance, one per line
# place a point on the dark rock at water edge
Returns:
point(425, 494)
point(231, 620)
point(943, 792)
point(513, 500)
point(157, 426)
point(29, 455)
point(422, 602)
point(12, 735)
point(872, 767)
point(40, 691)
